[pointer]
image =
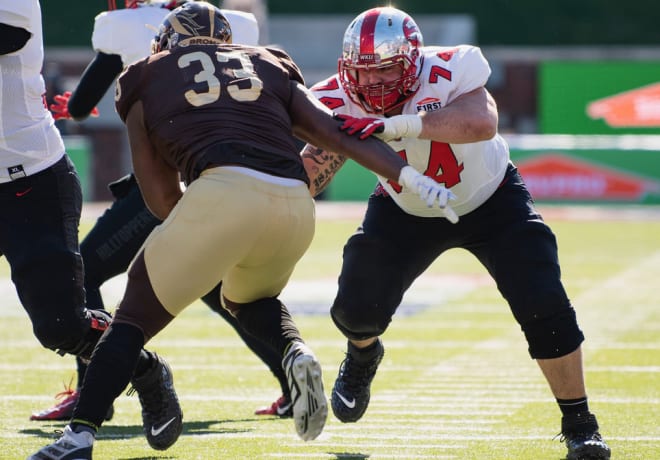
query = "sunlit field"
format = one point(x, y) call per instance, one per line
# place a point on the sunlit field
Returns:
point(456, 381)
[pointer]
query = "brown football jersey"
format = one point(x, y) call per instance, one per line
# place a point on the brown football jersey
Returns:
point(212, 105)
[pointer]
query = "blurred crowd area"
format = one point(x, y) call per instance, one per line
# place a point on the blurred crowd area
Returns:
point(313, 39)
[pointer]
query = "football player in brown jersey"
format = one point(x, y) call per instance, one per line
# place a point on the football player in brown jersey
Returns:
point(122, 36)
point(223, 117)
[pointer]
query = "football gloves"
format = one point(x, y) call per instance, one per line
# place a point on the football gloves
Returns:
point(386, 129)
point(60, 109)
point(398, 126)
point(428, 190)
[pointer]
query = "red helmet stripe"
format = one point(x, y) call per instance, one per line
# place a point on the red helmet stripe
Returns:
point(367, 32)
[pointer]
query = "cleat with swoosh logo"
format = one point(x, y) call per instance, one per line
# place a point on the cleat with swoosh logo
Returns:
point(162, 417)
point(352, 389)
point(282, 408)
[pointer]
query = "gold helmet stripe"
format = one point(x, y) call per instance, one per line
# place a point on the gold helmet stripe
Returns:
point(211, 14)
point(178, 27)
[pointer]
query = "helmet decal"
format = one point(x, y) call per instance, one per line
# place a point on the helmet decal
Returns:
point(192, 23)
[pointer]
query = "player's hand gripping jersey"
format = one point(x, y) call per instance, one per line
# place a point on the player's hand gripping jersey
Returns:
point(471, 171)
point(128, 32)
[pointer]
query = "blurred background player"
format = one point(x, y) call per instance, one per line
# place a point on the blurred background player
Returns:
point(431, 105)
point(120, 37)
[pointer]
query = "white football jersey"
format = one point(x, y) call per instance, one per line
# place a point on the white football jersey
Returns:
point(29, 140)
point(128, 32)
point(471, 171)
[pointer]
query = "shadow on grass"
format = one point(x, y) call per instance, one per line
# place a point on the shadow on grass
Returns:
point(50, 432)
point(349, 456)
point(109, 431)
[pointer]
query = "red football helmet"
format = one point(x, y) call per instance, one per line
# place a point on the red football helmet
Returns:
point(169, 4)
point(192, 23)
point(381, 37)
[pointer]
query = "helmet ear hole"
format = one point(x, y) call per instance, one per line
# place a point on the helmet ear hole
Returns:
point(377, 38)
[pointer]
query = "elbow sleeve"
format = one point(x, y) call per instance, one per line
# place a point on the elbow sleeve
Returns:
point(94, 83)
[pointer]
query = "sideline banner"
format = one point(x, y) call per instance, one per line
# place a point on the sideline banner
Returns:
point(589, 169)
point(595, 169)
point(599, 97)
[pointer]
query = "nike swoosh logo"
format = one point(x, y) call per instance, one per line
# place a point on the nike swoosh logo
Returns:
point(350, 404)
point(156, 431)
point(281, 410)
point(24, 192)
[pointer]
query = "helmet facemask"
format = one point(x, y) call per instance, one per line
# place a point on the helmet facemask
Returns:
point(379, 38)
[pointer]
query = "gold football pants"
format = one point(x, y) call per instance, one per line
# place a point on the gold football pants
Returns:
point(248, 232)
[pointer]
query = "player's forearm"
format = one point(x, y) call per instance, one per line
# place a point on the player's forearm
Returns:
point(94, 83)
point(321, 166)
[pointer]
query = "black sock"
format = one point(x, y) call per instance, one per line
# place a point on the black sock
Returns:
point(144, 363)
point(367, 353)
point(578, 406)
point(78, 426)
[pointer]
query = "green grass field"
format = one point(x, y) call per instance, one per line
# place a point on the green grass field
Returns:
point(456, 381)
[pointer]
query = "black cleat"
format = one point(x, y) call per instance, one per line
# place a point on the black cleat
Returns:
point(584, 442)
point(162, 417)
point(351, 393)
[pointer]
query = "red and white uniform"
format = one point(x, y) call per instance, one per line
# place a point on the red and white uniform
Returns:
point(471, 171)
point(128, 32)
point(29, 140)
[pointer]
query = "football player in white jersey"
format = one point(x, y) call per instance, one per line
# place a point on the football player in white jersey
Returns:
point(40, 194)
point(431, 105)
point(41, 202)
point(120, 37)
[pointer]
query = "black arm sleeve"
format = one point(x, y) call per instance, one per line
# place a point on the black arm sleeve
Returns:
point(94, 82)
point(13, 38)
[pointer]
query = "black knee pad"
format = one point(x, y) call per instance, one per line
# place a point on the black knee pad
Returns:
point(95, 324)
point(360, 318)
point(553, 336)
point(367, 296)
point(60, 330)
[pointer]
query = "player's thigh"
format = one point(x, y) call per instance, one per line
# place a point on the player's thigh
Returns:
point(226, 220)
point(524, 262)
point(287, 231)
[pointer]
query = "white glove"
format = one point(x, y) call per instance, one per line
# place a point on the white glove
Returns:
point(429, 190)
point(399, 126)
point(386, 129)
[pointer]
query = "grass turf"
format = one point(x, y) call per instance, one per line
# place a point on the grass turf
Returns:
point(456, 381)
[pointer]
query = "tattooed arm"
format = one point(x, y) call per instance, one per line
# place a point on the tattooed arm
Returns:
point(321, 166)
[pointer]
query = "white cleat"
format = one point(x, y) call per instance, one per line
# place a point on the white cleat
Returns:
point(310, 407)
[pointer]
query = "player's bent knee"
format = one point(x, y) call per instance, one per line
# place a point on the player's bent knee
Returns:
point(553, 336)
point(75, 336)
point(359, 320)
